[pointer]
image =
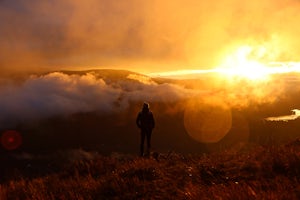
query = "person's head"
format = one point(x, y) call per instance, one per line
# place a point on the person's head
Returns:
point(146, 106)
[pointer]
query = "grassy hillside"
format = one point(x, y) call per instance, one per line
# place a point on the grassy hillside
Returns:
point(252, 173)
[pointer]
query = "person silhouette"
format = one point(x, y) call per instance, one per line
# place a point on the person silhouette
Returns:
point(145, 121)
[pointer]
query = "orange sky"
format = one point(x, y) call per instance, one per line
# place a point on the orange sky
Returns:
point(146, 36)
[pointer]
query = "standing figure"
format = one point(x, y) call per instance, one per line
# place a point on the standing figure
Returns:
point(145, 121)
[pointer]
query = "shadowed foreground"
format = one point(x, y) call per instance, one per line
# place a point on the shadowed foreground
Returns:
point(252, 173)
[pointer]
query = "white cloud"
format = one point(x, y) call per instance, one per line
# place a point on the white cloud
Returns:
point(61, 94)
point(286, 118)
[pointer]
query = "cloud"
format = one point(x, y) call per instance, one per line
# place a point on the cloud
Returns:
point(63, 94)
point(171, 33)
point(286, 118)
point(59, 94)
point(143, 79)
point(55, 94)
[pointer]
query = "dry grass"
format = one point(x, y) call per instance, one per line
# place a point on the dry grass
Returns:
point(260, 173)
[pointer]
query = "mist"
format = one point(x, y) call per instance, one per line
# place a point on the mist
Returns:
point(64, 93)
point(143, 36)
point(59, 94)
point(92, 108)
point(286, 118)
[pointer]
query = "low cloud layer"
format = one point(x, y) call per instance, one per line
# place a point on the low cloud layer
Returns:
point(63, 94)
point(57, 94)
point(210, 108)
point(286, 118)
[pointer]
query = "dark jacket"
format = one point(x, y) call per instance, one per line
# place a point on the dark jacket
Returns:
point(145, 120)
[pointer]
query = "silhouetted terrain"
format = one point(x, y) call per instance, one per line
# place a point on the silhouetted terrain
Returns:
point(252, 172)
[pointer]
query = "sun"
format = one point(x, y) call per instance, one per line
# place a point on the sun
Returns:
point(242, 64)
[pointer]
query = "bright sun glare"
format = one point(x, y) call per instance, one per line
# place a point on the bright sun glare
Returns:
point(241, 65)
point(244, 62)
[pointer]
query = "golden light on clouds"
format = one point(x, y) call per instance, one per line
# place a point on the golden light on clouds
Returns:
point(242, 63)
point(152, 36)
point(252, 63)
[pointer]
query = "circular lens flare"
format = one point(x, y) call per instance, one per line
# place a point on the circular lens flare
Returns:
point(11, 140)
point(207, 122)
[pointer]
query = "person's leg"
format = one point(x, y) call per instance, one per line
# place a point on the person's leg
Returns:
point(142, 143)
point(148, 142)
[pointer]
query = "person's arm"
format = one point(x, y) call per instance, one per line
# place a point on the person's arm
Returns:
point(153, 121)
point(138, 120)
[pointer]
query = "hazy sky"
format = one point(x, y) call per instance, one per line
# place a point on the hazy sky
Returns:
point(145, 35)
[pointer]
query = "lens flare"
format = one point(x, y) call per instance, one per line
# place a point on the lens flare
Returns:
point(207, 122)
point(11, 140)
